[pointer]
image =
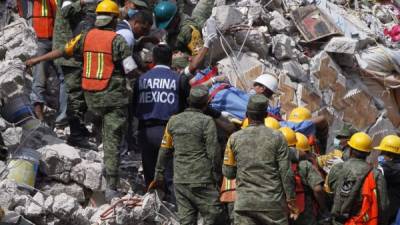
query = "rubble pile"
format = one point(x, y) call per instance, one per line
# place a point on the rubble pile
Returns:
point(334, 57)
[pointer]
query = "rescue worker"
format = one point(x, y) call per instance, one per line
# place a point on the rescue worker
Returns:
point(310, 194)
point(360, 195)
point(183, 34)
point(228, 188)
point(104, 61)
point(131, 7)
point(265, 84)
point(190, 138)
point(341, 152)
point(315, 128)
point(41, 15)
point(159, 94)
point(74, 17)
point(257, 157)
point(390, 151)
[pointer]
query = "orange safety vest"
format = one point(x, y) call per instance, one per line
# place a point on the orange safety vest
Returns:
point(368, 214)
point(228, 190)
point(43, 16)
point(98, 64)
point(300, 194)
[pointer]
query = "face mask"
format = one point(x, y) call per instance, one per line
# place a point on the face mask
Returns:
point(336, 143)
point(252, 92)
point(132, 12)
point(381, 159)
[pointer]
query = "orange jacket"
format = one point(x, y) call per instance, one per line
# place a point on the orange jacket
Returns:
point(98, 64)
point(368, 214)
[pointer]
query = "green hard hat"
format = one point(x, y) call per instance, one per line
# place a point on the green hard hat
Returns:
point(257, 103)
point(164, 13)
point(198, 95)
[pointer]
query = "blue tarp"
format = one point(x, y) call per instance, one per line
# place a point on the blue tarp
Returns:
point(306, 127)
point(231, 99)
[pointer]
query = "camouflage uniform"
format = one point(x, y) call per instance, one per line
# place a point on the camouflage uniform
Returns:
point(110, 104)
point(188, 38)
point(310, 178)
point(257, 157)
point(347, 181)
point(191, 139)
point(68, 24)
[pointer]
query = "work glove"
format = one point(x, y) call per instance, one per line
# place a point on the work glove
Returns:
point(156, 185)
point(209, 32)
point(293, 210)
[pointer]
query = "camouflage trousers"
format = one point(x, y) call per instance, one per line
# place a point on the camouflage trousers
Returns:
point(260, 217)
point(193, 199)
point(76, 105)
point(202, 11)
point(114, 127)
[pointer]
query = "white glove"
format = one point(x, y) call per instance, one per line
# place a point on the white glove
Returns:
point(209, 32)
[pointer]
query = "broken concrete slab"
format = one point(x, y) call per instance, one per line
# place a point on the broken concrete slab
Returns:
point(19, 39)
point(343, 45)
point(295, 71)
point(89, 174)
point(54, 188)
point(282, 46)
point(279, 24)
point(57, 161)
point(34, 207)
point(254, 40)
point(226, 16)
point(64, 206)
point(241, 71)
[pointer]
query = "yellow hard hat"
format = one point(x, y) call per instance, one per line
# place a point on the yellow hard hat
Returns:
point(289, 134)
point(361, 142)
point(390, 143)
point(299, 114)
point(302, 142)
point(108, 6)
point(272, 123)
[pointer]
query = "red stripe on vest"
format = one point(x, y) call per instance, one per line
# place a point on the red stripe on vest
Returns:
point(97, 43)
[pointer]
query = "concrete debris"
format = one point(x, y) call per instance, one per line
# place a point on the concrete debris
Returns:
point(64, 206)
point(282, 46)
point(54, 188)
point(279, 24)
point(330, 64)
point(241, 70)
point(35, 206)
point(295, 71)
point(226, 16)
point(89, 175)
point(57, 161)
point(342, 45)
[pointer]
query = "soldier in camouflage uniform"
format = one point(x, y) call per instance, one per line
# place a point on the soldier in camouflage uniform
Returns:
point(73, 17)
point(110, 101)
point(310, 185)
point(257, 157)
point(184, 34)
point(191, 138)
point(346, 180)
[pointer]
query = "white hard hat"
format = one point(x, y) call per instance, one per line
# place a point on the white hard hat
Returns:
point(268, 80)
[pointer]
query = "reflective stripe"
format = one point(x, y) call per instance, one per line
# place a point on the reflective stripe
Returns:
point(89, 63)
point(100, 64)
point(44, 8)
point(228, 184)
